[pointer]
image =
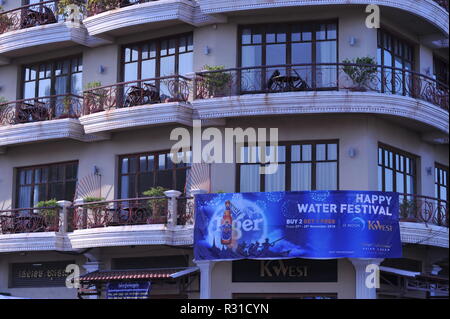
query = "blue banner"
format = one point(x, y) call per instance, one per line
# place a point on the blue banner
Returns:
point(310, 224)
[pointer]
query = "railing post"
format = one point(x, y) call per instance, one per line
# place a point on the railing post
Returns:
point(77, 202)
point(172, 212)
point(63, 215)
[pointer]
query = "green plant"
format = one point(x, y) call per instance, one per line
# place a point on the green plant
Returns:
point(216, 82)
point(64, 4)
point(98, 6)
point(154, 205)
point(50, 208)
point(95, 97)
point(360, 70)
point(155, 192)
point(408, 209)
point(92, 199)
point(5, 21)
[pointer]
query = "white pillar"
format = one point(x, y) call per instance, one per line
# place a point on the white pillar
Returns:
point(206, 267)
point(172, 207)
point(195, 192)
point(363, 290)
point(63, 215)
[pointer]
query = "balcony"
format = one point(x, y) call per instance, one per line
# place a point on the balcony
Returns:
point(322, 88)
point(433, 11)
point(424, 220)
point(137, 103)
point(118, 17)
point(29, 229)
point(134, 221)
point(41, 119)
point(41, 27)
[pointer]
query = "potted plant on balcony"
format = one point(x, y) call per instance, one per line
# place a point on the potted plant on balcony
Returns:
point(98, 6)
point(94, 98)
point(48, 215)
point(408, 210)
point(67, 8)
point(6, 22)
point(216, 83)
point(361, 71)
point(155, 205)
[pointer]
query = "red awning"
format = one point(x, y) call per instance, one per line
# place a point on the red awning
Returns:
point(143, 274)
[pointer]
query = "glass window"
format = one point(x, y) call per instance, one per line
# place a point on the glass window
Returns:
point(279, 45)
point(301, 166)
point(46, 182)
point(158, 58)
point(396, 171)
point(53, 78)
point(141, 172)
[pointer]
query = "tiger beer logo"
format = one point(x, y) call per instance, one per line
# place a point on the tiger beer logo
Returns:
point(376, 225)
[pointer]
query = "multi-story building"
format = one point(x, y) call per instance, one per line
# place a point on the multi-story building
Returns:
point(90, 95)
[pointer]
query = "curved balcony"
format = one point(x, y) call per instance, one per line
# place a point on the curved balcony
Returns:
point(433, 11)
point(40, 119)
point(116, 17)
point(424, 220)
point(322, 88)
point(41, 26)
point(139, 103)
point(133, 221)
point(31, 229)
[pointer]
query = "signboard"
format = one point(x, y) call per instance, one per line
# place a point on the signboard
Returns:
point(39, 274)
point(285, 270)
point(128, 290)
point(315, 224)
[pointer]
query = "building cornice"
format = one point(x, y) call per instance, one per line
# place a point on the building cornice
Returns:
point(426, 9)
point(322, 103)
point(137, 116)
point(423, 234)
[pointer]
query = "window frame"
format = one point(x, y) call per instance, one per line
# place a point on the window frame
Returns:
point(156, 154)
point(34, 184)
point(157, 58)
point(405, 154)
point(288, 164)
point(289, 27)
point(53, 76)
point(437, 168)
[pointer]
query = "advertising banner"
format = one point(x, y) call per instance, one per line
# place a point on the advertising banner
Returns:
point(310, 224)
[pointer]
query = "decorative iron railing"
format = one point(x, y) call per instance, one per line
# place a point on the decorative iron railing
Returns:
point(40, 109)
point(30, 15)
point(442, 3)
point(29, 220)
point(174, 88)
point(320, 77)
point(185, 214)
point(133, 211)
point(423, 209)
point(96, 7)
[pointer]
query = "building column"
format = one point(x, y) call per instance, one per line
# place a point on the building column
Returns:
point(93, 263)
point(63, 215)
point(206, 267)
point(172, 207)
point(366, 288)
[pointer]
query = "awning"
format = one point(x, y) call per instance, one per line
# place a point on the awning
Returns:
point(399, 272)
point(141, 274)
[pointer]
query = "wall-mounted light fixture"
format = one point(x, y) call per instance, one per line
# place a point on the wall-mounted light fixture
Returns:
point(101, 69)
point(352, 152)
point(207, 50)
point(96, 170)
point(352, 41)
point(2, 2)
point(429, 170)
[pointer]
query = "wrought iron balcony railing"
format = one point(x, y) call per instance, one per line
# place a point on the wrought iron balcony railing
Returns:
point(442, 3)
point(30, 15)
point(133, 211)
point(174, 88)
point(185, 214)
point(320, 77)
point(40, 109)
point(423, 209)
point(29, 220)
point(96, 7)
